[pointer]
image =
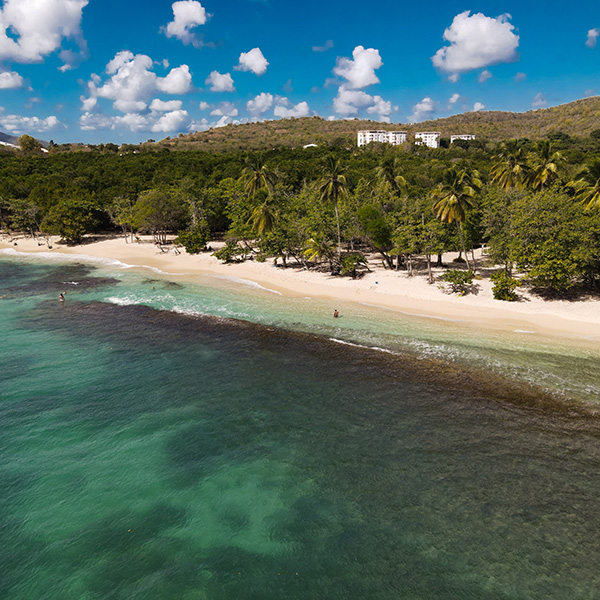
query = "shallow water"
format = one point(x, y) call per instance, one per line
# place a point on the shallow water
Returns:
point(211, 440)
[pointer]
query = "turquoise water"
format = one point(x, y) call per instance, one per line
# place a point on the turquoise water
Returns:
point(215, 440)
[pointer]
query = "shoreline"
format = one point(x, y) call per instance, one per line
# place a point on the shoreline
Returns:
point(382, 288)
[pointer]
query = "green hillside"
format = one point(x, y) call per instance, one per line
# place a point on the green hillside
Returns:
point(577, 119)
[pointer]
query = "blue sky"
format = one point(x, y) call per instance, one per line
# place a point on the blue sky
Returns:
point(130, 70)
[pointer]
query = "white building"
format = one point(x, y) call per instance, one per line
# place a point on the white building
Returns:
point(428, 138)
point(461, 137)
point(394, 138)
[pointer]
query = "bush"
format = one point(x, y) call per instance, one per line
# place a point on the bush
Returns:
point(460, 282)
point(504, 286)
point(194, 241)
point(232, 252)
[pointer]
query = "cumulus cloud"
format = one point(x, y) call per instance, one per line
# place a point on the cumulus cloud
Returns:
point(350, 102)
point(422, 110)
point(33, 29)
point(204, 105)
point(592, 38)
point(9, 80)
point(476, 42)
point(253, 61)
point(453, 99)
point(132, 83)
point(360, 70)
point(162, 106)
point(225, 109)
point(478, 106)
point(260, 104)
point(175, 120)
point(484, 76)
point(20, 124)
point(220, 82)
point(326, 46)
point(188, 14)
point(539, 101)
point(165, 122)
point(520, 77)
point(299, 110)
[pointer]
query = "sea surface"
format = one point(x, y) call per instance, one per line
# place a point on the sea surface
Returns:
point(205, 438)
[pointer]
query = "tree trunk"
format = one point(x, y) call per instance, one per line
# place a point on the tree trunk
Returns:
point(462, 241)
point(429, 273)
point(339, 235)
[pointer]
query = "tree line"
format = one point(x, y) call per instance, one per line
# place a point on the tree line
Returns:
point(533, 206)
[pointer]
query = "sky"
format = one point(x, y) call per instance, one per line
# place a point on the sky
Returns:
point(125, 71)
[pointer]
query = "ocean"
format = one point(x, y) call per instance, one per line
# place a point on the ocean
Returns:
point(206, 438)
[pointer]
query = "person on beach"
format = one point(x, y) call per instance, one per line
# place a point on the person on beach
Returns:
point(336, 314)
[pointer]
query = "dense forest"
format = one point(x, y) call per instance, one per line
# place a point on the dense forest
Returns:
point(535, 205)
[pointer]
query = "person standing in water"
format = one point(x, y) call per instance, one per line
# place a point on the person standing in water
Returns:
point(61, 298)
point(336, 314)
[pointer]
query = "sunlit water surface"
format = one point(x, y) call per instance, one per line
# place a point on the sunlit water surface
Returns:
point(168, 439)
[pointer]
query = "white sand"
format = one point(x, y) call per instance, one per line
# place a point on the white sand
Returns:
point(391, 289)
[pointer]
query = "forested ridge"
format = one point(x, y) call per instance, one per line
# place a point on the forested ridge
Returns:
point(535, 205)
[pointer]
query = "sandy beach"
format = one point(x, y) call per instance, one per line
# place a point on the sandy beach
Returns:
point(382, 287)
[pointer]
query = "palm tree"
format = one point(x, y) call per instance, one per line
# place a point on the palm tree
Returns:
point(262, 218)
point(387, 174)
point(332, 189)
point(587, 187)
point(256, 175)
point(510, 169)
point(545, 162)
point(319, 247)
point(453, 196)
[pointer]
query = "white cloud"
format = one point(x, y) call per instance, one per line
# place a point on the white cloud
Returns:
point(476, 42)
point(19, 124)
point(328, 44)
point(204, 105)
point(177, 82)
point(220, 82)
point(592, 38)
point(299, 110)
point(33, 29)
point(350, 102)
point(260, 104)
point(176, 120)
point(188, 14)
point(478, 106)
point(225, 109)
point(162, 106)
point(453, 99)
point(133, 83)
point(539, 101)
point(484, 76)
point(253, 61)
point(423, 109)
point(9, 80)
point(520, 77)
point(360, 70)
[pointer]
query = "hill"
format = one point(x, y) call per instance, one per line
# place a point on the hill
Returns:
point(576, 119)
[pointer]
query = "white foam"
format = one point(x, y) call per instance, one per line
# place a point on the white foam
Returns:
point(523, 331)
point(248, 283)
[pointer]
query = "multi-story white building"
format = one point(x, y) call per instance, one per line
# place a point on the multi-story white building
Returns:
point(461, 137)
point(394, 138)
point(428, 138)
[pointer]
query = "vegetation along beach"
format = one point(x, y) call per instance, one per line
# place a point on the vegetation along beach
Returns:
point(266, 337)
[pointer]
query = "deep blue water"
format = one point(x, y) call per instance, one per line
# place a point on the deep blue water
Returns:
point(221, 442)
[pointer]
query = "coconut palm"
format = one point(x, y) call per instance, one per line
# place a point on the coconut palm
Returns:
point(262, 218)
point(453, 196)
point(387, 174)
point(510, 168)
point(544, 165)
point(256, 175)
point(587, 187)
point(319, 247)
point(332, 189)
